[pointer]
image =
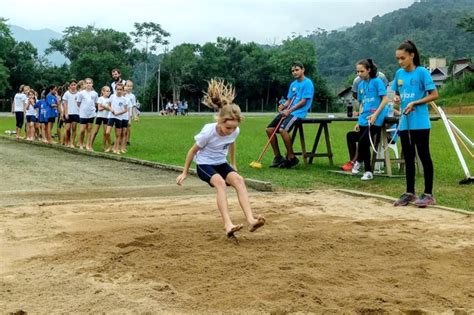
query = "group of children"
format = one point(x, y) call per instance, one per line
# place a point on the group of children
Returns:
point(77, 103)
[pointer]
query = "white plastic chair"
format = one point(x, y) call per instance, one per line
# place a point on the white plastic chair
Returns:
point(378, 168)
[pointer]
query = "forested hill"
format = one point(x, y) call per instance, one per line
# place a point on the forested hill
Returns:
point(431, 24)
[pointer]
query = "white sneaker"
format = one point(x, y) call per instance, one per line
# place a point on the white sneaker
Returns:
point(356, 168)
point(367, 176)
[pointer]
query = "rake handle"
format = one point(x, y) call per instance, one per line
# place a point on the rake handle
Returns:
point(270, 139)
point(274, 132)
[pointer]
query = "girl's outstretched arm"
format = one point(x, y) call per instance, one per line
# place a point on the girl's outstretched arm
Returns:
point(189, 158)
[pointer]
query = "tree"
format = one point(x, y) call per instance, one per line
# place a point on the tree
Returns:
point(94, 52)
point(4, 75)
point(467, 24)
point(150, 35)
point(180, 64)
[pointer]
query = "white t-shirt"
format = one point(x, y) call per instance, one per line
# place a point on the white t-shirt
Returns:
point(20, 101)
point(87, 100)
point(214, 147)
point(30, 111)
point(103, 113)
point(118, 104)
point(132, 102)
point(71, 99)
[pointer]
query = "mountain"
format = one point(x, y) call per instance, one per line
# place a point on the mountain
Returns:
point(431, 24)
point(40, 40)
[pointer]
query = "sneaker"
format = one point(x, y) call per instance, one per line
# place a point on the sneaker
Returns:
point(404, 199)
point(367, 176)
point(356, 168)
point(277, 161)
point(348, 166)
point(425, 200)
point(289, 163)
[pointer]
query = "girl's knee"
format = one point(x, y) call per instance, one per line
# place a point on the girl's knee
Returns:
point(235, 179)
point(218, 182)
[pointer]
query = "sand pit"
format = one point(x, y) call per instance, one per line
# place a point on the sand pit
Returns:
point(321, 251)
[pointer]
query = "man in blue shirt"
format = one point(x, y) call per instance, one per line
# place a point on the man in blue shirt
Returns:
point(299, 100)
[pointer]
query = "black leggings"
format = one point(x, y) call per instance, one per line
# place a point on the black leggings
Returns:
point(420, 139)
point(352, 137)
point(20, 118)
point(364, 144)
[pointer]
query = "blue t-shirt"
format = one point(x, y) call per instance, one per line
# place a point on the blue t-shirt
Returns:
point(50, 111)
point(412, 86)
point(303, 89)
point(42, 110)
point(369, 94)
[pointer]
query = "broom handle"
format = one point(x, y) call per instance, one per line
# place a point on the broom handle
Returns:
point(274, 132)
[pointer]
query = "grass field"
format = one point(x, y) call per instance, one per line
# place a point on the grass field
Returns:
point(167, 139)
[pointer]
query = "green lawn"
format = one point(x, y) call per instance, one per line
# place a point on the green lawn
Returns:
point(167, 139)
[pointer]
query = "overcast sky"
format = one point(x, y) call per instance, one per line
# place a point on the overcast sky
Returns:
point(261, 21)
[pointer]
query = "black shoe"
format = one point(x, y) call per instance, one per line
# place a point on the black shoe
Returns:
point(289, 163)
point(128, 142)
point(277, 161)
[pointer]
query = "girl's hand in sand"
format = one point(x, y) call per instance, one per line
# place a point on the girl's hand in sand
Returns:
point(180, 179)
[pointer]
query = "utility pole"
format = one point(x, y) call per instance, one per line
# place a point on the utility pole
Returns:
point(158, 83)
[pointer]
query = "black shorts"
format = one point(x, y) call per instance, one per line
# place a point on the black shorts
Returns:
point(101, 120)
point(115, 122)
point(287, 123)
point(30, 118)
point(72, 118)
point(52, 120)
point(86, 121)
point(125, 123)
point(20, 118)
point(60, 122)
point(205, 171)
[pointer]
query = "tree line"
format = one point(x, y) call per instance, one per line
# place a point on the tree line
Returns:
point(260, 73)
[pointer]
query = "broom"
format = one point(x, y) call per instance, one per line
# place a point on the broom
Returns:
point(257, 163)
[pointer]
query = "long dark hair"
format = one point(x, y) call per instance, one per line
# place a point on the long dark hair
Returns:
point(369, 65)
point(410, 47)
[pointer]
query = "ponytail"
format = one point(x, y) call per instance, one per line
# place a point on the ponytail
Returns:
point(410, 47)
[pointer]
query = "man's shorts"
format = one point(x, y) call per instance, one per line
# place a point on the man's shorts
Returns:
point(205, 171)
point(52, 120)
point(287, 123)
point(86, 121)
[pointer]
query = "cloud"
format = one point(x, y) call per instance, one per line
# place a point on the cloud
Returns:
point(262, 21)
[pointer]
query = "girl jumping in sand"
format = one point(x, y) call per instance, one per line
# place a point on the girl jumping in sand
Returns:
point(210, 152)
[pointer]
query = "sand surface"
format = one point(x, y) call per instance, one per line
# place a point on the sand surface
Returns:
point(131, 241)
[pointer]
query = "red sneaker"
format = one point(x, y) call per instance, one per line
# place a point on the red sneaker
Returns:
point(348, 166)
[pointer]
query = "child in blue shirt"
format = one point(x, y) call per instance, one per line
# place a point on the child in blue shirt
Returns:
point(41, 107)
point(300, 97)
point(372, 95)
point(414, 88)
point(51, 111)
